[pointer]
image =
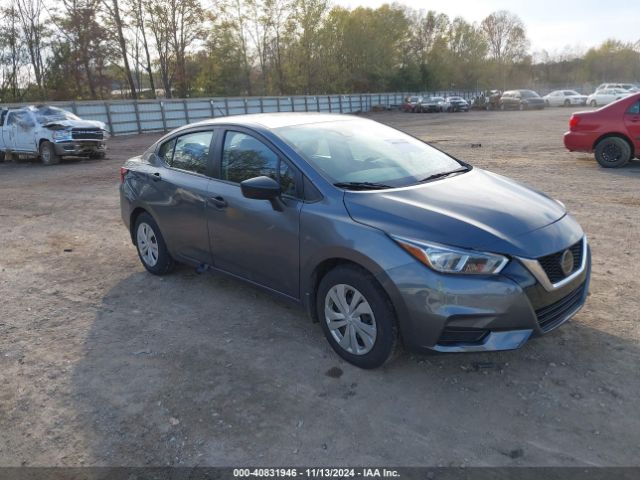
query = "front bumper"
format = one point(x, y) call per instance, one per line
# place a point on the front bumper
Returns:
point(489, 313)
point(80, 148)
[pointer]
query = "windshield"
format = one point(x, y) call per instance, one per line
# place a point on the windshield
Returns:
point(529, 94)
point(53, 114)
point(570, 92)
point(366, 151)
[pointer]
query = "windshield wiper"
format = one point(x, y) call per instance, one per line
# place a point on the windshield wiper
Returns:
point(362, 185)
point(445, 174)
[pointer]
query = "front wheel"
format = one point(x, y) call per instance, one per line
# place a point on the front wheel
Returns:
point(612, 152)
point(152, 249)
point(48, 153)
point(357, 317)
point(593, 103)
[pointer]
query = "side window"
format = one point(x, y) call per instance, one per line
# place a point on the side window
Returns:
point(634, 109)
point(12, 118)
point(191, 152)
point(287, 179)
point(245, 157)
point(165, 152)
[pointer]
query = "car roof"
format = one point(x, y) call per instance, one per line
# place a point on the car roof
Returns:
point(277, 120)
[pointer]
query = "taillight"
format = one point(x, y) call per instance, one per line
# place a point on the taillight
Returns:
point(573, 122)
point(123, 173)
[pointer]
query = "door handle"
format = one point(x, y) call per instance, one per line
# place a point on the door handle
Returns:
point(218, 202)
point(156, 177)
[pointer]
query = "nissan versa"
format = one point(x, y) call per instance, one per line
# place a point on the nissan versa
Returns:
point(381, 237)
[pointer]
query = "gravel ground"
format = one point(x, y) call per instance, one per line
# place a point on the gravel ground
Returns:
point(103, 364)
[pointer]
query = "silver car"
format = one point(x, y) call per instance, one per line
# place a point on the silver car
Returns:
point(382, 238)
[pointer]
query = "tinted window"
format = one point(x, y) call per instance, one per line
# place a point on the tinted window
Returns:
point(166, 151)
point(246, 157)
point(192, 152)
point(634, 109)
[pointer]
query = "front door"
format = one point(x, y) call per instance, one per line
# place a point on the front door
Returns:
point(249, 238)
point(632, 122)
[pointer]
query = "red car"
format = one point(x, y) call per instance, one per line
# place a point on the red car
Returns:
point(410, 104)
point(612, 132)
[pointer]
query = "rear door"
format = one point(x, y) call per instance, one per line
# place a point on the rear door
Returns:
point(248, 237)
point(177, 193)
point(632, 122)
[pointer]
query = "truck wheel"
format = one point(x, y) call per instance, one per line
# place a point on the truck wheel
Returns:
point(98, 155)
point(612, 152)
point(48, 154)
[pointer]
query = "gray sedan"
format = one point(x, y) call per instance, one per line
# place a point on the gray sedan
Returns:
point(382, 238)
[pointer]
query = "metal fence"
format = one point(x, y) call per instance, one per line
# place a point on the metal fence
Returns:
point(125, 117)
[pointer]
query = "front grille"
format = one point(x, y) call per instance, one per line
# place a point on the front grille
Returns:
point(86, 134)
point(553, 315)
point(551, 263)
point(454, 335)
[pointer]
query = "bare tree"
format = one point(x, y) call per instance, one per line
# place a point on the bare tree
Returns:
point(506, 36)
point(33, 33)
point(112, 8)
point(139, 19)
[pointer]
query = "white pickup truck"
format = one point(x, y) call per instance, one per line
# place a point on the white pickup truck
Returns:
point(50, 133)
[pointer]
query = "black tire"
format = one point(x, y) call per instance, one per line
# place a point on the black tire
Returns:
point(593, 103)
point(613, 152)
point(98, 155)
point(546, 103)
point(48, 153)
point(164, 263)
point(1, 157)
point(567, 103)
point(383, 316)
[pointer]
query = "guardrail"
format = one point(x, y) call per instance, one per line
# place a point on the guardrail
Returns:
point(126, 117)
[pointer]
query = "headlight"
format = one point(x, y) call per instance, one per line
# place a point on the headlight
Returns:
point(61, 135)
point(442, 258)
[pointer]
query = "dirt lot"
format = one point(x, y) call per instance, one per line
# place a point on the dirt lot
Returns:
point(103, 364)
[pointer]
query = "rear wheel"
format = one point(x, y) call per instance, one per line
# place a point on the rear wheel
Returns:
point(357, 317)
point(152, 249)
point(48, 153)
point(593, 103)
point(612, 152)
point(567, 103)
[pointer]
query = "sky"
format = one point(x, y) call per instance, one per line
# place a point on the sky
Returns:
point(552, 25)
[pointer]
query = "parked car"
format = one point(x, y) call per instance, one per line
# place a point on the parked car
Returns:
point(432, 104)
point(630, 87)
point(611, 132)
point(377, 234)
point(410, 104)
point(564, 98)
point(456, 104)
point(50, 133)
point(521, 100)
point(606, 96)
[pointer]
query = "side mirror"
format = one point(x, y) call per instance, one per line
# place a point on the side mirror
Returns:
point(260, 188)
point(263, 188)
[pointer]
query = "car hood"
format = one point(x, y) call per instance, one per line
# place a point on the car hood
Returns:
point(478, 210)
point(75, 124)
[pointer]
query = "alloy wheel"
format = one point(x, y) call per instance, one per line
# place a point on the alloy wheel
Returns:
point(350, 319)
